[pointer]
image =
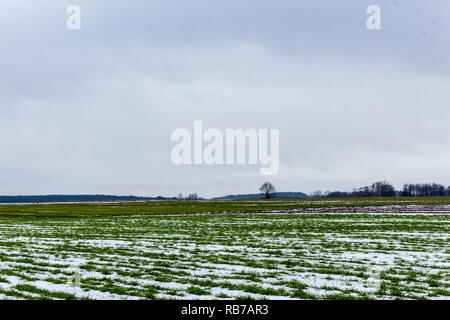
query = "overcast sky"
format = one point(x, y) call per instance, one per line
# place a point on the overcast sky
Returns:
point(92, 110)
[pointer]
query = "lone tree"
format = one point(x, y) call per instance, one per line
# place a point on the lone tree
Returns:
point(268, 190)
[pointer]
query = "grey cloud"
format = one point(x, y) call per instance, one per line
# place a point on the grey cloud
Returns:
point(93, 110)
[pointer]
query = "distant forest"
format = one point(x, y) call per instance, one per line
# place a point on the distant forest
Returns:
point(377, 189)
point(75, 198)
point(385, 189)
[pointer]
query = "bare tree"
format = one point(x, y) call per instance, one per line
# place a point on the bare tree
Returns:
point(316, 194)
point(382, 189)
point(192, 196)
point(268, 190)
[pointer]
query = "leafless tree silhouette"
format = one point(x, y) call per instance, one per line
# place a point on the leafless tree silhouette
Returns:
point(268, 190)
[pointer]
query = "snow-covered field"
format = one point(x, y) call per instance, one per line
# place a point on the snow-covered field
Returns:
point(333, 253)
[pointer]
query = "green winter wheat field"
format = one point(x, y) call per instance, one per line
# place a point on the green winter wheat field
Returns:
point(278, 249)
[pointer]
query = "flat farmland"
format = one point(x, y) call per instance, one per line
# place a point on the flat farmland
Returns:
point(302, 249)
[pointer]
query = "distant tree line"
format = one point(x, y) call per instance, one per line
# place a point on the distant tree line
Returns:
point(425, 190)
point(75, 198)
point(385, 189)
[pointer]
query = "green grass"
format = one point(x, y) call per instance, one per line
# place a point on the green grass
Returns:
point(186, 207)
